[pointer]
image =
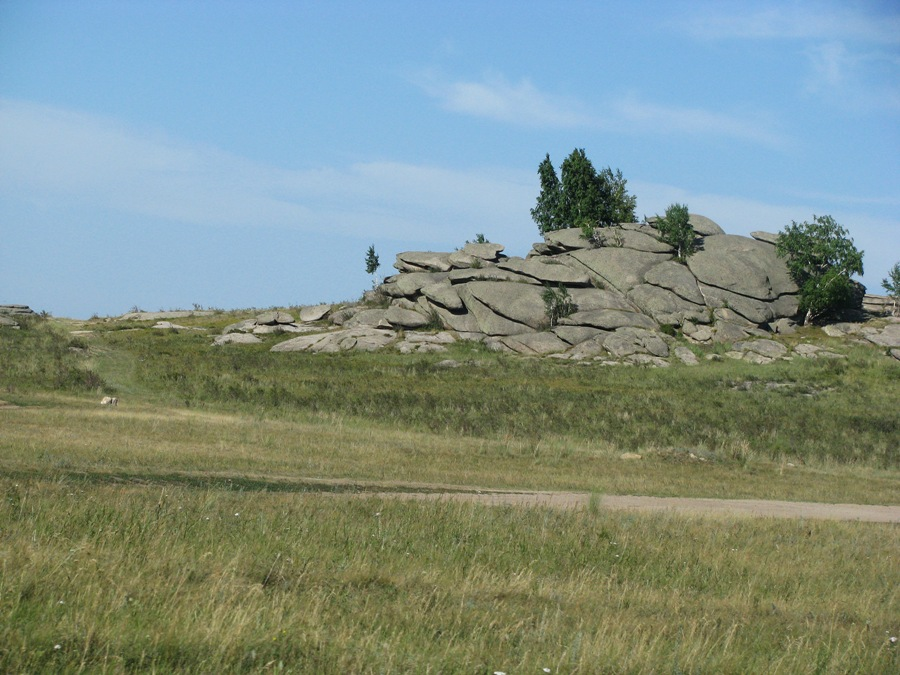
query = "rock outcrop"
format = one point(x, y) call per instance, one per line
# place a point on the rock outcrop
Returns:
point(624, 284)
point(10, 313)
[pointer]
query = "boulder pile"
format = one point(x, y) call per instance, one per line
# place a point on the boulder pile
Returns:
point(626, 289)
point(9, 314)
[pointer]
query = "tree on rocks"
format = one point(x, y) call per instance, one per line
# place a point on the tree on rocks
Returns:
point(892, 285)
point(821, 259)
point(372, 263)
point(675, 229)
point(583, 197)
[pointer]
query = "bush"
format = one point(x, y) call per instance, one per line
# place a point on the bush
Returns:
point(821, 259)
point(559, 303)
point(892, 286)
point(675, 229)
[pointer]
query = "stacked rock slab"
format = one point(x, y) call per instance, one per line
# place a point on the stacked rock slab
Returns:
point(9, 314)
point(624, 281)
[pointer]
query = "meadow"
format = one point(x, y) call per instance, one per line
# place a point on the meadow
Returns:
point(218, 519)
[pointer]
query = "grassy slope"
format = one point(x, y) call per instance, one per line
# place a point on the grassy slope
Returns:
point(121, 544)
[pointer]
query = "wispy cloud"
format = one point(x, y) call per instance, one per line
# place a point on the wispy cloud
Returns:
point(493, 97)
point(496, 98)
point(56, 157)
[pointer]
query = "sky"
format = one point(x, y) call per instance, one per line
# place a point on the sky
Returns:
point(167, 155)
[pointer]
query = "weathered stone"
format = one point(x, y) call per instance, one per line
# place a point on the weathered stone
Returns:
point(368, 317)
point(677, 278)
point(766, 237)
point(627, 341)
point(539, 344)
point(647, 360)
point(444, 294)
point(361, 338)
point(488, 321)
point(274, 317)
point(567, 239)
point(157, 316)
point(173, 326)
point(439, 338)
point(521, 303)
point(783, 326)
point(608, 319)
point(541, 248)
point(425, 261)
point(17, 310)
point(7, 321)
point(461, 261)
point(485, 251)
point(694, 333)
point(743, 266)
point(236, 338)
point(767, 348)
point(462, 323)
point(407, 285)
point(546, 272)
point(750, 309)
point(623, 268)
point(491, 273)
point(587, 299)
point(617, 237)
point(686, 356)
point(399, 317)
point(576, 334)
point(590, 348)
point(666, 307)
point(704, 226)
point(888, 337)
point(756, 358)
point(244, 326)
point(344, 314)
point(895, 353)
point(314, 313)
point(728, 332)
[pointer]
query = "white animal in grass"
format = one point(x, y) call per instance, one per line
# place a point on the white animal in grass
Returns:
point(109, 400)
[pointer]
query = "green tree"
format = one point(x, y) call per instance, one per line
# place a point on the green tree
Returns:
point(675, 229)
point(821, 259)
point(546, 211)
point(583, 197)
point(372, 262)
point(892, 285)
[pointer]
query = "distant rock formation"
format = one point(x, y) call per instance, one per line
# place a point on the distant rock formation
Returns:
point(9, 314)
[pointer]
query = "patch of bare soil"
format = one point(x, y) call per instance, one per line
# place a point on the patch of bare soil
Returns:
point(685, 505)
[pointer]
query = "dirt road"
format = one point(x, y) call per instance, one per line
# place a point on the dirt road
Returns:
point(686, 505)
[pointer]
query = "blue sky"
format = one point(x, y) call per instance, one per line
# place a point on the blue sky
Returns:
point(245, 154)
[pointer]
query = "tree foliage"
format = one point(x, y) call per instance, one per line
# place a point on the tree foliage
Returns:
point(582, 197)
point(892, 285)
point(558, 303)
point(372, 261)
point(675, 229)
point(821, 259)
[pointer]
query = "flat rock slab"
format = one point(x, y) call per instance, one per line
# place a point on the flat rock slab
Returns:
point(545, 272)
point(623, 268)
point(617, 237)
point(157, 316)
point(522, 303)
point(274, 317)
point(675, 277)
point(236, 339)
point(608, 319)
point(314, 313)
point(535, 344)
point(427, 261)
point(361, 339)
point(664, 306)
point(743, 266)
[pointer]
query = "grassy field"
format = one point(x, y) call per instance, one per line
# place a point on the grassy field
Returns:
point(186, 530)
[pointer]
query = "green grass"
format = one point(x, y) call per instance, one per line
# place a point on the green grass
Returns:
point(212, 580)
point(119, 540)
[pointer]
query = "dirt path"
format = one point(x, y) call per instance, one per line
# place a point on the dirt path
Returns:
point(685, 505)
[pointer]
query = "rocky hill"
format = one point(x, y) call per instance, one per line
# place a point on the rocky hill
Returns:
point(626, 294)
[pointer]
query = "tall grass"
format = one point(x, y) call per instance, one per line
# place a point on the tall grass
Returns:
point(120, 578)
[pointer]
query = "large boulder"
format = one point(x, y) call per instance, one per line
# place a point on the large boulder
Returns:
point(743, 266)
point(444, 294)
point(534, 344)
point(629, 340)
point(314, 313)
point(521, 303)
point(485, 251)
point(399, 317)
point(423, 261)
point(546, 272)
point(407, 285)
point(568, 239)
point(362, 338)
point(677, 278)
point(622, 268)
point(608, 319)
point(666, 307)
point(619, 237)
point(491, 273)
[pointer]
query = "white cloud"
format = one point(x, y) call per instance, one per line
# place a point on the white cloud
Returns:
point(58, 157)
point(525, 105)
point(498, 99)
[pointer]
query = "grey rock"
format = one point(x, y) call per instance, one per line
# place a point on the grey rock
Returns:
point(627, 341)
point(7, 321)
point(487, 321)
point(768, 348)
point(728, 332)
point(407, 285)
point(541, 248)
point(888, 337)
point(783, 326)
point(460, 261)
point(647, 360)
point(404, 318)
point(368, 317)
point(158, 316)
point(486, 251)
point(590, 348)
point(361, 339)
point(444, 294)
point(521, 303)
point(173, 326)
point(314, 313)
point(895, 353)
point(617, 237)
point(440, 338)
point(666, 307)
point(743, 266)
point(536, 344)
point(588, 299)
point(568, 239)
point(274, 317)
point(576, 334)
point(423, 261)
point(245, 326)
point(704, 226)
point(344, 314)
point(17, 310)
point(766, 237)
point(609, 319)
point(807, 350)
point(751, 310)
point(756, 358)
point(546, 272)
point(491, 273)
point(462, 323)
point(686, 356)
point(623, 268)
point(677, 278)
point(236, 338)
point(698, 334)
